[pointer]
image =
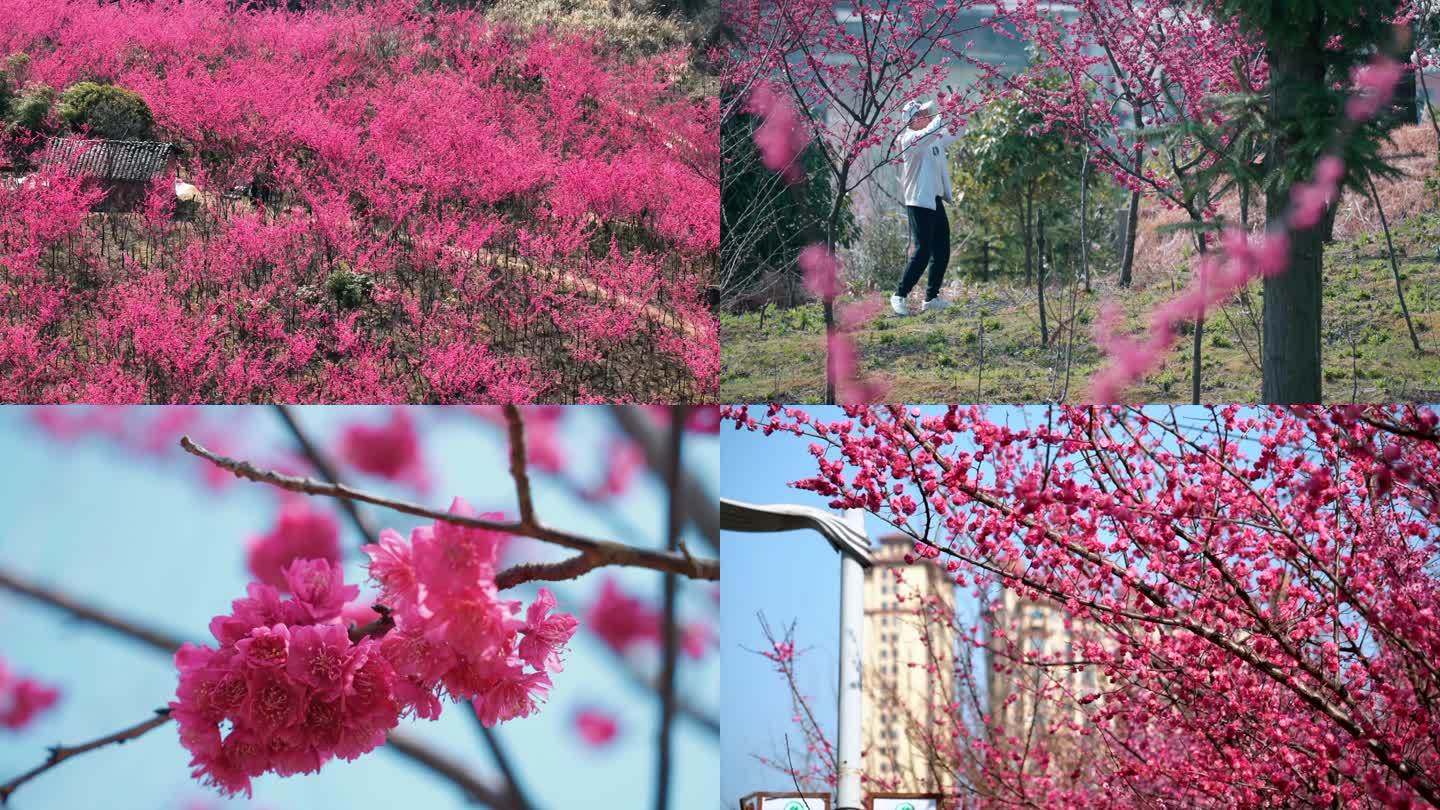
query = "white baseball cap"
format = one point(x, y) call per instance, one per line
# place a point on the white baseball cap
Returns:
point(916, 108)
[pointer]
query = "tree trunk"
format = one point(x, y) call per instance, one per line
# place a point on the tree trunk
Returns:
point(1084, 214)
point(1132, 218)
point(1394, 266)
point(1199, 332)
point(1132, 230)
point(832, 228)
point(1025, 232)
point(1040, 282)
point(1291, 366)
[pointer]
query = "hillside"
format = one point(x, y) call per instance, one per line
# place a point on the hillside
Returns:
point(987, 347)
point(200, 203)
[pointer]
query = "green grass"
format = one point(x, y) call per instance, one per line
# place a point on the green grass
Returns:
point(937, 357)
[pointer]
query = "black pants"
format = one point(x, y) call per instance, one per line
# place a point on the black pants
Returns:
point(930, 231)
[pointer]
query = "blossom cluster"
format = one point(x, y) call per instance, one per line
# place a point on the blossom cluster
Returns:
point(453, 633)
point(22, 699)
point(289, 687)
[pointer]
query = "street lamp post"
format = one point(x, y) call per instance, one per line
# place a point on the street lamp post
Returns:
point(847, 535)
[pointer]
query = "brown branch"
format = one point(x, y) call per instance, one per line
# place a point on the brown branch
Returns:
point(604, 552)
point(323, 465)
point(155, 639)
point(477, 791)
point(60, 753)
point(515, 799)
point(568, 568)
point(518, 464)
point(674, 523)
point(377, 628)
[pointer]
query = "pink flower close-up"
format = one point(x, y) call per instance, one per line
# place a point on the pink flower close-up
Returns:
point(596, 727)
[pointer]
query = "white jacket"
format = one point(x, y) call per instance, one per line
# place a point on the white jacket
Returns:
point(926, 172)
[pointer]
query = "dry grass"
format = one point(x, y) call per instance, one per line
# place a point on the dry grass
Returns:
point(1413, 149)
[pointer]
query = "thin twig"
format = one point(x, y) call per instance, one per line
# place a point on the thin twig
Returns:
point(519, 465)
point(420, 753)
point(702, 509)
point(155, 639)
point(674, 521)
point(60, 753)
point(323, 465)
point(516, 799)
point(477, 791)
point(604, 551)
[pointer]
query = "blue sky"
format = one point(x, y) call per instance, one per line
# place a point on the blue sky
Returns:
point(144, 538)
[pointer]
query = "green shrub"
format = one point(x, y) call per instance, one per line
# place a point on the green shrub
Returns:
point(351, 290)
point(107, 110)
point(30, 108)
point(12, 76)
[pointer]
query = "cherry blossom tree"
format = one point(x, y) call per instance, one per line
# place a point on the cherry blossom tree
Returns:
point(815, 79)
point(467, 607)
point(1252, 590)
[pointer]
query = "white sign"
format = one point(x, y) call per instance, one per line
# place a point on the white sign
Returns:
point(907, 804)
point(793, 804)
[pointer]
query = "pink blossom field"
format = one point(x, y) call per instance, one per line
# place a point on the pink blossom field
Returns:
point(367, 204)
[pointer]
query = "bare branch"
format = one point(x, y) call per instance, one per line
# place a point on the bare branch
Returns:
point(155, 639)
point(568, 568)
point(518, 465)
point(674, 523)
point(60, 753)
point(327, 470)
point(516, 798)
point(604, 551)
point(477, 791)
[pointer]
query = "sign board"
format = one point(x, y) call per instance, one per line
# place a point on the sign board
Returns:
point(786, 801)
point(904, 801)
point(905, 804)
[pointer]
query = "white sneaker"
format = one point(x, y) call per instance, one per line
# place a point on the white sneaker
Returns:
point(898, 305)
point(936, 304)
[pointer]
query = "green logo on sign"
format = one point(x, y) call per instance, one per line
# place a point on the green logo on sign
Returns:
point(799, 806)
point(906, 806)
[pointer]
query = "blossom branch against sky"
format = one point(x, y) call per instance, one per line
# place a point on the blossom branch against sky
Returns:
point(604, 551)
point(1277, 560)
point(60, 753)
point(564, 445)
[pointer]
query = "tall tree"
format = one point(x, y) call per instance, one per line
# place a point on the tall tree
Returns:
point(1311, 48)
point(849, 70)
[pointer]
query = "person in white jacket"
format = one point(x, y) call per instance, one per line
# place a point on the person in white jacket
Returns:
point(927, 188)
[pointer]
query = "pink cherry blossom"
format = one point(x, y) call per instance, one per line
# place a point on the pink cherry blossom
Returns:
point(1247, 595)
point(622, 620)
point(597, 728)
point(391, 450)
point(781, 136)
point(545, 636)
point(303, 532)
point(22, 699)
